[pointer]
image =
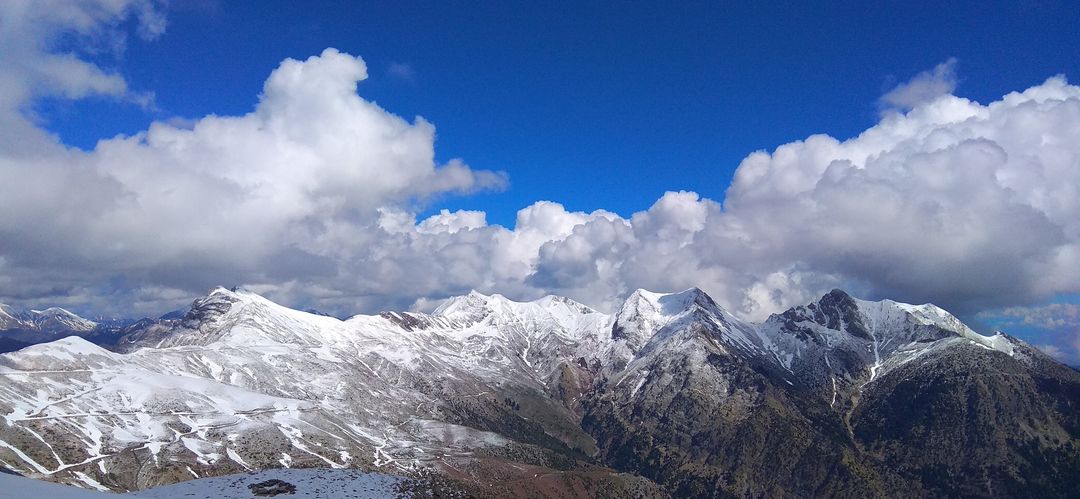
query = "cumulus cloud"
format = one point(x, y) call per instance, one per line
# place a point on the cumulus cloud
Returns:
point(1049, 316)
point(312, 198)
point(955, 202)
point(290, 190)
point(1065, 346)
point(445, 221)
point(1057, 324)
point(38, 64)
point(294, 190)
point(966, 205)
point(923, 88)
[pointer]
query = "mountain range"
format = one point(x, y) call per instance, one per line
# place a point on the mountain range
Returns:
point(22, 328)
point(671, 395)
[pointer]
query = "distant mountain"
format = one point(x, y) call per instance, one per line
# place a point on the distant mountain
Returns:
point(56, 319)
point(50, 320)
point(9, 318)
point(671, 395)
point(20, 328)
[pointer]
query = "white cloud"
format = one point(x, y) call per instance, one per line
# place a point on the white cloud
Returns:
point(295, 190)
point(966, 205)
point(1054, 352)
point(36, 65)
point(1067, 346)
point(923, 88)
point(312, 198)
point(953, 202)
point(1049, 316)
point(402, 71)
point(445, 221)
point(1057, 324)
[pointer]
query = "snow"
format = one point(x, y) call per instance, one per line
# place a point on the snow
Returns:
point(94, 484)
point(832, 402)
point(236, 457)
point(26, 459)
point(874, 328)
point(640, 383)
point(341, 393)
point(67, 348)
point(888, 314)
point(62, 317)
point(9, 321)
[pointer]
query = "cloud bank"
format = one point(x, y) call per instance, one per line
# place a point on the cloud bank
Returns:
point(312, 199)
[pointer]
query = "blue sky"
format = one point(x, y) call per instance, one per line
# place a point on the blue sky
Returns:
point(765, 153)
point(593, 104)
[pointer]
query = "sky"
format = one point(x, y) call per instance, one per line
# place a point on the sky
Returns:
point(355, 156)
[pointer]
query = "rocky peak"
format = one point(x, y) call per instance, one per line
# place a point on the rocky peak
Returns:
point(838, 310)
point(471, 307)
point(210, 307)
point(644, 313)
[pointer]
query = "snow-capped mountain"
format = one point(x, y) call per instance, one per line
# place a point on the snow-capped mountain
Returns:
point(9, 318)
point(50, 320)
point(58, 319)
point(487, 391)
point(21, 328)
point(26, 327)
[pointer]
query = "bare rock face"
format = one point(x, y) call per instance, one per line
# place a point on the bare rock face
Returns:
point(271, 488)
point(491, 397)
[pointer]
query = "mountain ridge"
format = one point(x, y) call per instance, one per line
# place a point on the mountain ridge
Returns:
point(484, 382)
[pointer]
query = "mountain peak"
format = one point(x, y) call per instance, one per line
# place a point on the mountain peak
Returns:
point(230, 291)
point(7, 311)
point(54, 312)
point(671, 303)
point(475, 306)
point(208, 308)
point(551, 301)
point(875, 329)
point(472, 306)
point(644, 312)
point(666, 368)
point(837, 295)
point(59, 319)
point(9, 318)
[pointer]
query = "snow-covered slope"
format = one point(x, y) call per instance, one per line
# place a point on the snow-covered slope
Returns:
point(678, 327)
point(246, 383)
point(9, 319)
point(58, 319)
point(53, 320)
point(840, 343)
point(243, 383)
